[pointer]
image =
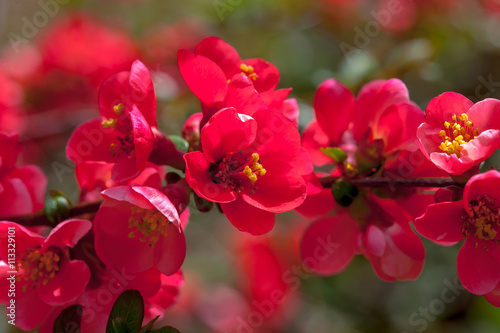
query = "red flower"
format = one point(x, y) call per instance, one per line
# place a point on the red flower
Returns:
point(265, 76)
point(342, 121)
point(21, 188)
point(458, 134)
point(477, 219)
point(46, 276)
point(214, 75)
point(125, 133)
point(385, 238)
point(83, 46)
point(138, 227)
point(94, 177)
point(252, 166)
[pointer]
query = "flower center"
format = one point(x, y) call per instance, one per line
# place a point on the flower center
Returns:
point(456, 133)
point(123, 125)
point(39, 268)
point(483, 220)
point(151, 224)
point(249, 71)
point(238, 171)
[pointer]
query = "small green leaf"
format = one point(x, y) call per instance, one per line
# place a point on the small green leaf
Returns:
point(344, 193)
point(119, 325)
point(57, 207)
point(336, 154)
point(130, 307)
point(179, 142)
point(69, 320)
point(165, 329)
point(148, 326)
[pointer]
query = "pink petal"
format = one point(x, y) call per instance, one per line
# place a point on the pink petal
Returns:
point(451, 163)
point(374, 241)
point(248, 218)
point(313, 138)
point(24, 239)
point(35, 181)
point(142, 93)
point(482, 146)
point(159, 201)
point(328, 245)
point(444, 106)
point(442, 223)
point(129, 195)
point(484, 114)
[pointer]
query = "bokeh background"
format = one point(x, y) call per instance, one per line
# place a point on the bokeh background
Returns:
point(55, 53)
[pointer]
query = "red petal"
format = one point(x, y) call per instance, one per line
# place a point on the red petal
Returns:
point(220, 52)
point(477, 269)
point(142, 93)
point(35, 181)
point(442, 223)
point(399, 137)
point(170, 251)
point(91, 142)
point(204, 77)
point(242, 96)
point(69, 283)
point(328, 245)
point(451, 163)
point(159, 201)
point(143, 138)
point(334, 108)
point(482, 146)
point(314, 138)
point(124, 170)
point(269, 75)
point(444, 106)
point(24, 239)
point(128, 195)
point(198, 178)
point(487, 183)
point(67, 233)
point(484, 114)
point(15, 198)
point(227, 131)
point(247, 218)
point(374, 241)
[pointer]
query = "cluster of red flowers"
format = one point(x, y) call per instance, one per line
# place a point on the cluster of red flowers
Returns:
point(244, 154)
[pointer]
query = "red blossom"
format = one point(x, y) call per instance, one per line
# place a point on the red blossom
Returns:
point(138, 227)
point(477, 219)
point(384, 238)
point(252, 166)
point(125, 133)
point(46, 275)
point(458, 134)
point(22, 189)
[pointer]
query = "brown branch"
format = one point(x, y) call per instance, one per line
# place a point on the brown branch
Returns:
point(328, 181)
point(39, 218)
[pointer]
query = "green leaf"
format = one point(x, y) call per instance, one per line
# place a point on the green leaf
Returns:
point(179, 142)
point(130, 307)
point(344, 193)
point(336, 154)
point(119, 325)
point(148, 326)
point(69, 320)
point(57, 207)
point(165, 329)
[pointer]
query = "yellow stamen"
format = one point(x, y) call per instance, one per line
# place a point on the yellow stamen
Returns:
point(483, 219)
point(109, 123)
point(456, 133)
point(150, 223)
point(118, 108)
point(249, 71)
point(39, 267)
